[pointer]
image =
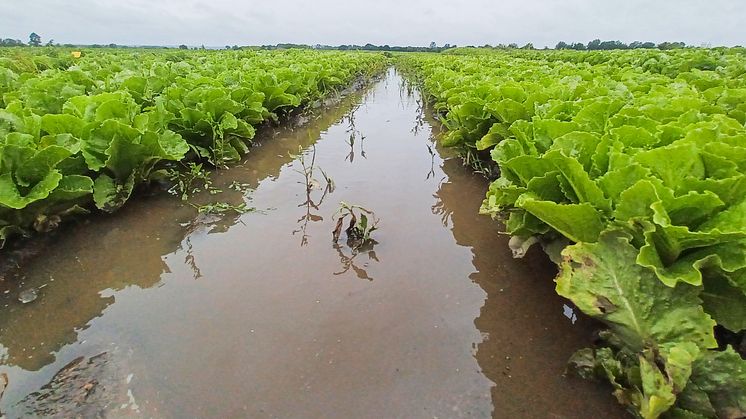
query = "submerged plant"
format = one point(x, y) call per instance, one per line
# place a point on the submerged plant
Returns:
point(362, 223)
point(240, 187)
point(311, 184)
point(354, 135)
point(431, 173)
point(307, 170)
point(419, 119)
point(222, 208)
point(188, 182)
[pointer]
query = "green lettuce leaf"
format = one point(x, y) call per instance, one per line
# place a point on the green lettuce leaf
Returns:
point(577, 222)
point(604, 281)
point(725, 302)
point(717, 387)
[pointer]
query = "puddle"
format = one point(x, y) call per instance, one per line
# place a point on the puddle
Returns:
point(261, 315)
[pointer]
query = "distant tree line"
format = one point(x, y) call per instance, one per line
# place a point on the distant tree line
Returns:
point(7, 42)
point(433, 47)
point(504, 46)
point(34, 40)
point(594, 45)
point(598, 44)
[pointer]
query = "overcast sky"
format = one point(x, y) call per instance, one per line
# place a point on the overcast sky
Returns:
point(393, 22)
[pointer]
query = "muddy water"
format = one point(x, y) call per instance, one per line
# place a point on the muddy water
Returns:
point(157, 311)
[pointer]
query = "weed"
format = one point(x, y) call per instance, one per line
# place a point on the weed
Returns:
point(222, 208)
point(188, 182)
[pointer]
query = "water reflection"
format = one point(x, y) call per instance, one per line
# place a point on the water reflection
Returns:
point(354, 136)
point(73, 295)
point(431, 172)
point(420, 120)
point(522, 318)
point(348, 255)
point(190, 260)
point(131, 248)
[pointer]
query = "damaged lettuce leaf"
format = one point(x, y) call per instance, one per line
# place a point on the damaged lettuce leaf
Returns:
point(604, 282)
point(649, 382)
point(657, 331)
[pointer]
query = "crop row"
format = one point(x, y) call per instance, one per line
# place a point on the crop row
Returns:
point(79, 132)
point(629, 169)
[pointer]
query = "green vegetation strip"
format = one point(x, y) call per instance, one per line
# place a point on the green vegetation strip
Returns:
point(83, 130)
point(629, 168)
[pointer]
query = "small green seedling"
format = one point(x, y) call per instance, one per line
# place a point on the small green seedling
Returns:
point(223, 208)
point(191, 181)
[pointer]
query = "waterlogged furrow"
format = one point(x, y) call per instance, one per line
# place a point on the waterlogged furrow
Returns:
point(628, 167)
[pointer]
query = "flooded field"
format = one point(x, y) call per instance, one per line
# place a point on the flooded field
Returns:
point(158, 311)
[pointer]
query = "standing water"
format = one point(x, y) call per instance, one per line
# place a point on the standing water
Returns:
point(157, 311)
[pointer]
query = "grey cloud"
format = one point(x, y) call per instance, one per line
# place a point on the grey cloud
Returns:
point(221, 22)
